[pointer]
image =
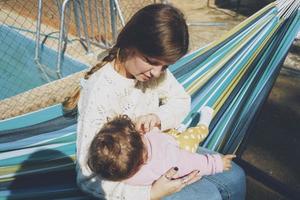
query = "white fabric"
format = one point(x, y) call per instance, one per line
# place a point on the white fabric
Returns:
point(107, 94)
point(206, 115)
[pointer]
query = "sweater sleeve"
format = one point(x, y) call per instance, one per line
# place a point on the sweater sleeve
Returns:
point(207, 164)
point(118, 190)
point(175, 102)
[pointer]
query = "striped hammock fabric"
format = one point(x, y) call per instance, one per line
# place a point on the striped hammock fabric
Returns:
point(233, 75)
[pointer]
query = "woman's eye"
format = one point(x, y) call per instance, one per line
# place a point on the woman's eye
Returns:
point(155, 63)
point(151, 62)
point(147, 60)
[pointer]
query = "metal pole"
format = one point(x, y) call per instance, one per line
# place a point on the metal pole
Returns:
point(38, 31)
point(77, 19)
point(66, 27)
point(91, 18)
point(37, 41)
point(61, 34)
point(58, 3)
point(98, 20)
point(104, 23)
point(84, 24)
point(113, 19)
point(119, 13)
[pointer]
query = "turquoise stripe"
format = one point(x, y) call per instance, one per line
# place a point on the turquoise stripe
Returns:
point(54, 137)
point(32, 118)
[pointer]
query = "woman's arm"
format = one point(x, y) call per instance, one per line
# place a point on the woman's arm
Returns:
point(175, 102)
point(162, 187)
point(118, 190)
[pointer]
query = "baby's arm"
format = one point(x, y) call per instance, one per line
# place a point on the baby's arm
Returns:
point(207, 164)
point(175, 104)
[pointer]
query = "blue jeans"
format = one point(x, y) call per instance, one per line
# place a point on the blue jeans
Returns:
point(227, 185)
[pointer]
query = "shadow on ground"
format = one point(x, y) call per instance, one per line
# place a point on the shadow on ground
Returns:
point(273, 144)
point(39, 177)
point(243, 7)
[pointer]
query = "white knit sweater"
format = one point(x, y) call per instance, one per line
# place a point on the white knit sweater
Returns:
point(107, 94)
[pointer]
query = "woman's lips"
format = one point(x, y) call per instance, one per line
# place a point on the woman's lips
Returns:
point(145, 77)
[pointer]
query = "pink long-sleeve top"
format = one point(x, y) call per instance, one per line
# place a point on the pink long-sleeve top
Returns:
point(164, 153)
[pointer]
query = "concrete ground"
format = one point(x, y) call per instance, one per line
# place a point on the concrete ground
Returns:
point(273, 142)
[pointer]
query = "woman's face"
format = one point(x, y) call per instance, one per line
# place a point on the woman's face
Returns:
point(143, 68)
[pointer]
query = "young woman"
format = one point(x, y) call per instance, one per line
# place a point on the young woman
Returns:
point(134, 80)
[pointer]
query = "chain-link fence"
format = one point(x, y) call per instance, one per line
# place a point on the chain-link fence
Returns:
point(31, 39)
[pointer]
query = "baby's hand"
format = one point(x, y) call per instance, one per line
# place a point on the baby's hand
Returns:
point(227, 159)
point(145, 123)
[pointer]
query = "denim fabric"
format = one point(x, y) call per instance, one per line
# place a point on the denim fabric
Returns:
point(227, 185)
point(201, 190)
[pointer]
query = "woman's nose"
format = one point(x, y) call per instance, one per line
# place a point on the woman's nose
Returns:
point(156, 71)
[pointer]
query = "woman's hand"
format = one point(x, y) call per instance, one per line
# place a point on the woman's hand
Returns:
point(145, 123)
point(167, 185)
point(227, 159)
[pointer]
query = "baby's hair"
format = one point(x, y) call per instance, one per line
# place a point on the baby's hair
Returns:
point(156, 31)
point(116, 152)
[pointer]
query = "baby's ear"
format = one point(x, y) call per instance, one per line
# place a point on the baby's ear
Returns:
point(123, 116)
point(108, 119)
point(113, 117)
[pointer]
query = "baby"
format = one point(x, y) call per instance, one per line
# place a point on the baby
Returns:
point(120, 153)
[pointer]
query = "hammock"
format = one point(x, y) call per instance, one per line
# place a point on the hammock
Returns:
point(233, 75)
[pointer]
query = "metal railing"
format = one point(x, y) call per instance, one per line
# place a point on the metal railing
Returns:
point(29, 36)
point(96, 24)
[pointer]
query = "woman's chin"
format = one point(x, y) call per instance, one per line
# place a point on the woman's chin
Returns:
point(142, 78)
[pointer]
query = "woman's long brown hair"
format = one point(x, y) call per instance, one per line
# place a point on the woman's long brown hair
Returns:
point(156, 31)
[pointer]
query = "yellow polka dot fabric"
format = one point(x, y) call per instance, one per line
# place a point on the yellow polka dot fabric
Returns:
point(190, 138)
